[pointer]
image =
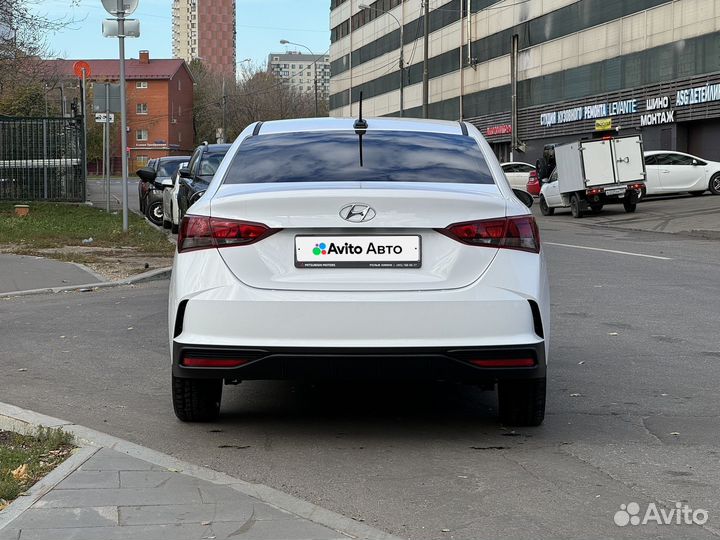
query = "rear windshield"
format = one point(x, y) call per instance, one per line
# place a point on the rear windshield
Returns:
point(210, 163)
point(331, 156)
point(168, 168)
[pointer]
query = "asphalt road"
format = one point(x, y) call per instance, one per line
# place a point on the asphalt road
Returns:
point(96, 193)
point(632, 413)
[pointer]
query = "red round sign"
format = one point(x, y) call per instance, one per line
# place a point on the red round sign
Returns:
point(79, 66)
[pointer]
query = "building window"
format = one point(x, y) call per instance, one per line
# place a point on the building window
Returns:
point(141, 160)
point(141, 135)
point(179, 85)
point(141, 108)
point(141, 84)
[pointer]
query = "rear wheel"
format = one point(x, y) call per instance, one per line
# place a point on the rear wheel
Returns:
point(154, 212)
point(596, 208)
point(196, 400)
point(629, 207)
point(714, 185)
point(575, 209)
point(522, 402)
point(545, 210)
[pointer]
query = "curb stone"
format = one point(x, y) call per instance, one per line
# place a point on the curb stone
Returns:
point(152, 275)
point(23, 420)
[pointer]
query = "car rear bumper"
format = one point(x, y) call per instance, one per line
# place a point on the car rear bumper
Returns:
point(431, 363)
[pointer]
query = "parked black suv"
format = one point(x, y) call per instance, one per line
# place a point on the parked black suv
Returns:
point(153, 179)
point(195, 178)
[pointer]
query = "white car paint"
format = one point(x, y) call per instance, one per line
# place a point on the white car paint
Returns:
point(550, 191)
point(170, 201)
point(517, 173)
point(677, 172)
point(254, 295)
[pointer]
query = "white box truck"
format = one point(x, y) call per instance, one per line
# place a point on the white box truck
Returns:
point(593, 173)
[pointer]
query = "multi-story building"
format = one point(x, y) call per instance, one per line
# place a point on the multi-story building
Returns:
point(647, 65)
point(205, 30)
point(300, 70)
point(159, 97)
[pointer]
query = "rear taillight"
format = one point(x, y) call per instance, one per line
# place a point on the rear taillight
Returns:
point(202, 232)
point(519, 232)
point(503, 362)
point(533, 176)
point(213, 362)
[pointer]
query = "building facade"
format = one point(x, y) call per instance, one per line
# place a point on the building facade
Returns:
point(300, 70)
point(582, 65)
point(159, 104)
point(205, 30)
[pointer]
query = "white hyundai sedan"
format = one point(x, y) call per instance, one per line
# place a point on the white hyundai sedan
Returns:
point(379, 249)
point(676, 172)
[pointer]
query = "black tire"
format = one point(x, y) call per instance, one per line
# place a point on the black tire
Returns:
point(575, 208)
point(154, 212)
point(629, 207)
point(522, 402)
point(196, 400)
point(545, 210)
point(696, 193)
point(714, 185)
point(596, 208)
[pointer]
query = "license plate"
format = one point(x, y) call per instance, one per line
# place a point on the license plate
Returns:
point(356, 251)
point(615, 191)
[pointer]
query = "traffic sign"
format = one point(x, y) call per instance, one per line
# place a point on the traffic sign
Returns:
point(110, 28)
point(79, 66)
point(111, 6)
point(101, 118)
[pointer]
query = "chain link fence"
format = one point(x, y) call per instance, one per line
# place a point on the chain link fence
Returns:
point(41, 159)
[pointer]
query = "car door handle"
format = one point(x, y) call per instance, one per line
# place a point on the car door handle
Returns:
point(666, 171)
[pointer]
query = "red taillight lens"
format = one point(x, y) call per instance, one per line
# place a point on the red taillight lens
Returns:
point(533, 176)
point(202, 232)
point(504, 362)
point(213, 362)
point(518, 232)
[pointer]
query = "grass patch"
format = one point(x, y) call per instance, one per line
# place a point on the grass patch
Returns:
point(51, 225)
point(25, 459)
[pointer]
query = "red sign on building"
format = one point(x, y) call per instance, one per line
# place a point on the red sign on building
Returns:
point(503, 129)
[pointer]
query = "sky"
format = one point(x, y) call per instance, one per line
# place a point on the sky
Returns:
point(261, 24)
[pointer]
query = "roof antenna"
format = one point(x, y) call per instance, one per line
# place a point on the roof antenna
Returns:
point(360, 126)
point(360, 123)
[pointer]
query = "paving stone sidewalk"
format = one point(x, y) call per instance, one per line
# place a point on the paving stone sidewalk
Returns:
point(114, 496)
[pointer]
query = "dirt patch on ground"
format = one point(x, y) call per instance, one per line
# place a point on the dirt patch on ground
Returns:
point(112, 264)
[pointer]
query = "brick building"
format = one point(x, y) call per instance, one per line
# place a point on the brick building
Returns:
point(205, 30)
point(159, 96)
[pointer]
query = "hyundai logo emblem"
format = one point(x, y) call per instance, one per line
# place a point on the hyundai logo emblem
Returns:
point(357, 213)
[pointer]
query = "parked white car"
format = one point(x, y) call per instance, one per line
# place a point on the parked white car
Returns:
point(171, 210)
point(390, 248)
point(517, 173)
point(676, 172)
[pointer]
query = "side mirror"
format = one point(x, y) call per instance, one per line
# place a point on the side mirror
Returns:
point(147, 174)
point(184, 172)
point(524, 197)
point(695, 162)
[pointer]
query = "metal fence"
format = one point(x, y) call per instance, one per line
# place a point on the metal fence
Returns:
point(42, 159)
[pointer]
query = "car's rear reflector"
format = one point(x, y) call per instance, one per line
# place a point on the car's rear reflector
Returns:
point(202, 232)
point(517, 232)
point(503, 362)
point(213, 362)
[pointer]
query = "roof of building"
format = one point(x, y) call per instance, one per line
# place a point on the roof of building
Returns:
point(160, 68)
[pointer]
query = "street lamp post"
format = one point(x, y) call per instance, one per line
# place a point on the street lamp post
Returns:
point(402, 60)
point(286, 42)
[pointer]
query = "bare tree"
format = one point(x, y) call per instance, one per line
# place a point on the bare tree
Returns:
point(23, 45)
point(258, 95)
